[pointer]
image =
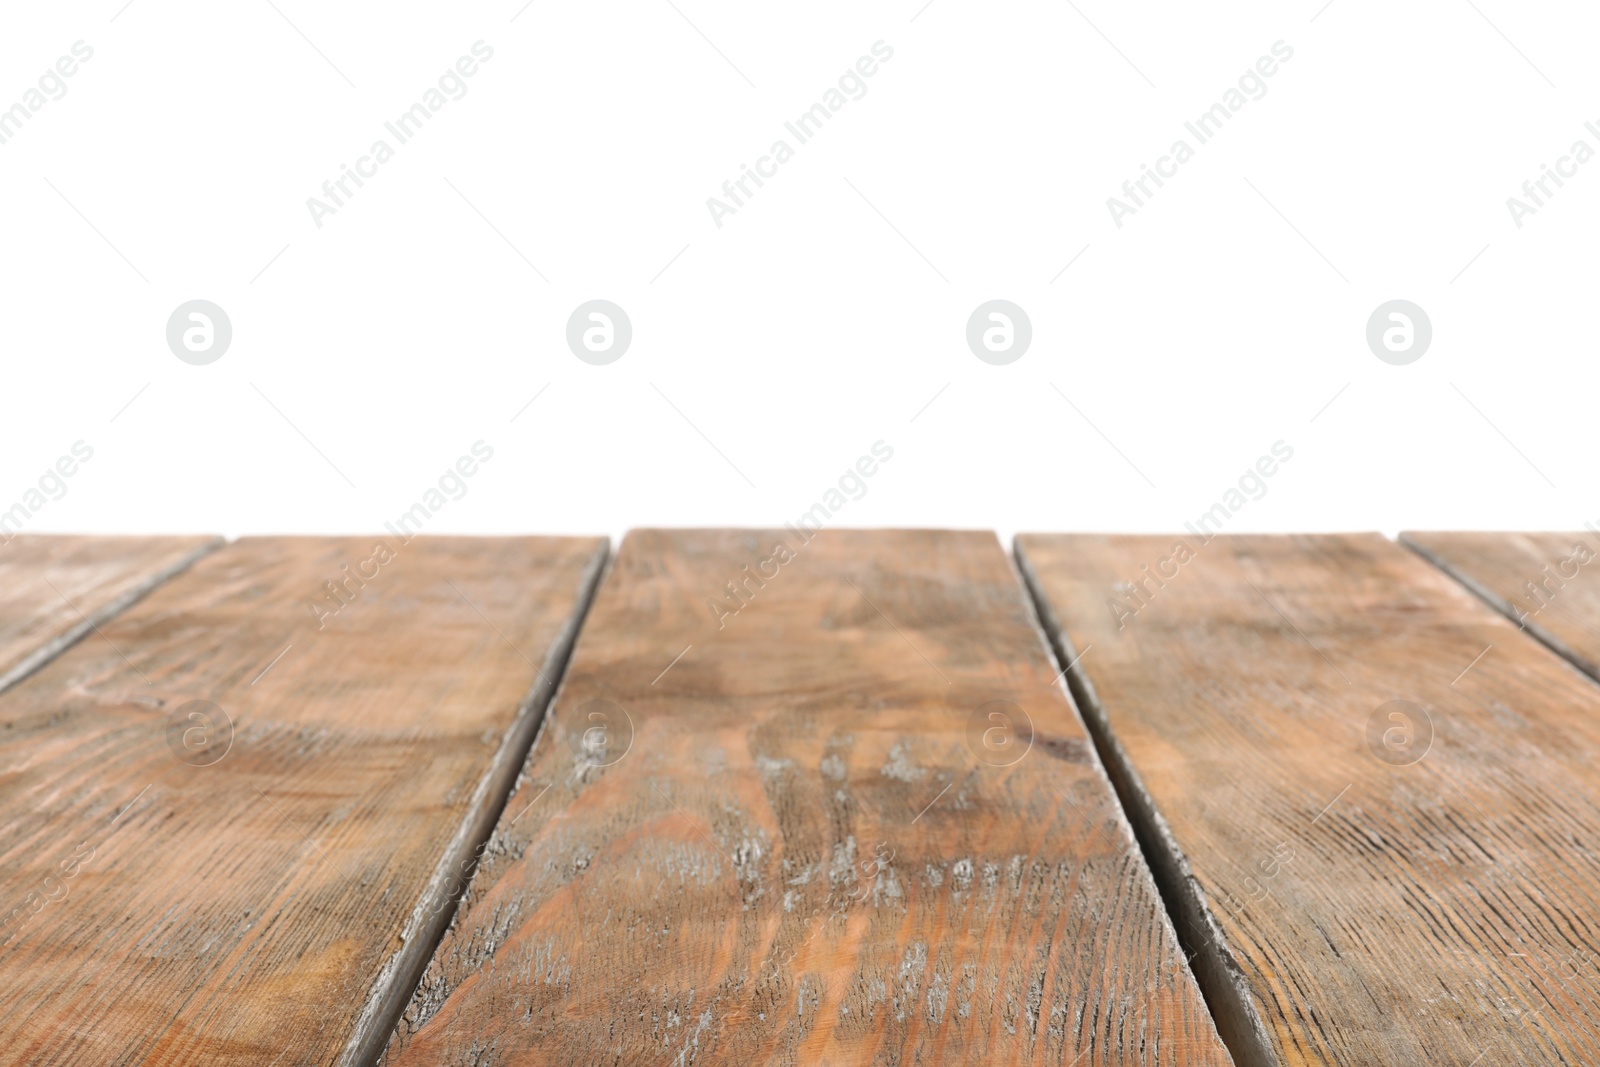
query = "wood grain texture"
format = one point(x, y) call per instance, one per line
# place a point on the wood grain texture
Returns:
point(274, 905)
point(785, 849)
point(1547, 583)
point(55, 589)
point(1347, 909)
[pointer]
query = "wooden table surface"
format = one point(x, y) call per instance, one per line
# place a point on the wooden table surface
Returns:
point(54, 590)
point(1374, 802)
point(787, 797)
point(794, 846)
point(1545, 583)
point(232, 822)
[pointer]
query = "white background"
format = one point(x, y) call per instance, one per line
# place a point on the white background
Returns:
point(806, 327)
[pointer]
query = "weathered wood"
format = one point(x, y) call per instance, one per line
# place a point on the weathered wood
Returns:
point(56, 589)
point(787, 840)
point(1547, 583)
point(176, 890)
point(1349, 906)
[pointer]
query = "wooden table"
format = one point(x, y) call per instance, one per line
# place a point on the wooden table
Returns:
point(1372, 801)
point(787, 797)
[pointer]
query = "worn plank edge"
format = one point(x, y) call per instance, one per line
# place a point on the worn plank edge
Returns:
point(1130, 836)
point(397, 980)
point(42, 655)
point(1222, 984)
point(1088, 707)
point(1501, 605)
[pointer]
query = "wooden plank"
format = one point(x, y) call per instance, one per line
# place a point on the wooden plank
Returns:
point(1366, 882)
point(261, 885)
point(55, 589)
point(790, 840)
point(1547, 583)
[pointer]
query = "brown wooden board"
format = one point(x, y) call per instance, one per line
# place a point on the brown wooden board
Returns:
point(56, 589)
point(259, 880)
point(1548, 583)
point(784, 829)
point(1365, 882)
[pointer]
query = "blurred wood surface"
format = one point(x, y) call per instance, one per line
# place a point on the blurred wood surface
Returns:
point(1366, 882)
point(823, 803)
point(54, 590)
point(795, 834)
point(1548, 583)
point(258, 878)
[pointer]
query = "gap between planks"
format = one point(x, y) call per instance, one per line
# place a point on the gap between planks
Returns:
point(1222, 986)
point(783, 705)
point(41, 656)
point(1480, 589)
point(397, 982)
point(1188, 752)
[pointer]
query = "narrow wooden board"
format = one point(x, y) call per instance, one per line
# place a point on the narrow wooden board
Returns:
point(176, 891)
point(1349, 906)
point(1547, 583)
point(55, 589)
point(780, 845)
